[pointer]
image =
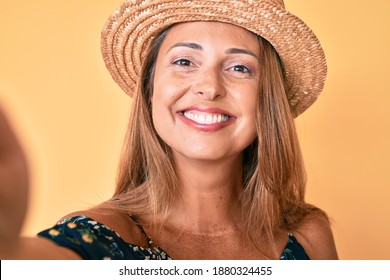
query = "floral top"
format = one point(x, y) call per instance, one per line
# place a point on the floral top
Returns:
point(93, 240)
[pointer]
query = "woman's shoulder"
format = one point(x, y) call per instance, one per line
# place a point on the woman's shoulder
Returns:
point(119, 222)
point(314, 233)
point(96, 234)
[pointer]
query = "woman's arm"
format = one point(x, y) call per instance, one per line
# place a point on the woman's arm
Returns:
point(14, 185)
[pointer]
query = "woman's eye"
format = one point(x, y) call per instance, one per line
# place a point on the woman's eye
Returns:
point(182, 62)
point(242, 69)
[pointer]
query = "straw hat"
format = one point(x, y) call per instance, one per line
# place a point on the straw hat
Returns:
point(129, 30)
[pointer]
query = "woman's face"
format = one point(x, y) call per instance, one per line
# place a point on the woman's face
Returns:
point(206, 84)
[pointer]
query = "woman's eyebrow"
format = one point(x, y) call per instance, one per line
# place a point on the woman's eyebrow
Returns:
point(194, 46)
point(241, 51)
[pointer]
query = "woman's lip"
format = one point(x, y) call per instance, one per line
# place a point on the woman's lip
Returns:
point(205, 109)
point(227, 119)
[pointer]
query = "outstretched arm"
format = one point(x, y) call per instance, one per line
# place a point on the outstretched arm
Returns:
point(13, 187)
point(14, 183)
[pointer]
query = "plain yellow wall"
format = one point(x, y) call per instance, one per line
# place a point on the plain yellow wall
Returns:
point(71, 116)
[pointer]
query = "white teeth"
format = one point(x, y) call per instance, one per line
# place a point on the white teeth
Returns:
point(204, 118)
point(209, 119)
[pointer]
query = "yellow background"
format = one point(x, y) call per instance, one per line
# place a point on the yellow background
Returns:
point(71, 116)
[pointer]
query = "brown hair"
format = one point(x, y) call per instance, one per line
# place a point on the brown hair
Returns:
point(274, 176)
point(275, 179)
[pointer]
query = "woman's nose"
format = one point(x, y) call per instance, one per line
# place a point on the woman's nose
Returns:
point(209, 84)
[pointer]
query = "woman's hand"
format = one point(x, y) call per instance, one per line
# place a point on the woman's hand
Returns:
point(13, 188)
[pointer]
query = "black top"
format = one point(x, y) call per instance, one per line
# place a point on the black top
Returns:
point(93, 240)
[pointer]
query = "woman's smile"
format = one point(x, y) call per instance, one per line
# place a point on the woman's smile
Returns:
point(206, 119)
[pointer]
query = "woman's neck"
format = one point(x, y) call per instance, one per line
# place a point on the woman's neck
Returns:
point(209, 193)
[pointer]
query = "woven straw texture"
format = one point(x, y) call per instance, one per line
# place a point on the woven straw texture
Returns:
point(129, 30)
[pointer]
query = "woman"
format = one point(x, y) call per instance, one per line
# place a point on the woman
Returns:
point(211, 167)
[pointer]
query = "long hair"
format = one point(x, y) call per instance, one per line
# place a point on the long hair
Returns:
point(146, 179)
point(273, 197)
point(274, 180)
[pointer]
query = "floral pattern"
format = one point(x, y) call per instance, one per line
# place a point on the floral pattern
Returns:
point(93, 240)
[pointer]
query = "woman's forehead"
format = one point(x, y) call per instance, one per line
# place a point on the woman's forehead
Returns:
point(216, 33)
